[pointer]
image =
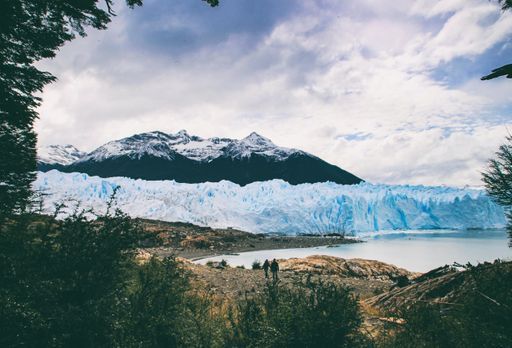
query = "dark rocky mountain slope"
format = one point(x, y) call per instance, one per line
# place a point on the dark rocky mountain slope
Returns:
point(191, 159)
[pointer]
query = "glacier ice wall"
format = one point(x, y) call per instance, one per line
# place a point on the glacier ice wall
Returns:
point(276, 206)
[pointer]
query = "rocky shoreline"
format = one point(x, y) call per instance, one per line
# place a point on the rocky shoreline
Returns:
point(195, 242)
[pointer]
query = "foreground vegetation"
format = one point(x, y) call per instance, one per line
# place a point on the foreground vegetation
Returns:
point(77, 283)
point(477, 314)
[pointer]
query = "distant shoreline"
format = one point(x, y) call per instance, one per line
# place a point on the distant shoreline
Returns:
point(256, 244)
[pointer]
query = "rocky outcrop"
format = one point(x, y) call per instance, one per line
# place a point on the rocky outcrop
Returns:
point(444, 285)
point(350, 268)
point(364, 277)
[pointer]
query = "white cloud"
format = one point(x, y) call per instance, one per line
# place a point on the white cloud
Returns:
point(469, 32)
point(429, 8)
point(431, 156)
point(328, 70)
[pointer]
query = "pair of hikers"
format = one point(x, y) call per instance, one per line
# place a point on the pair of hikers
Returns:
point(274, 268)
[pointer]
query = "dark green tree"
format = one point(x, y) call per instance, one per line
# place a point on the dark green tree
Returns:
point(505, 4)
point(30, 31)
point(498, 180)
point(505, 70)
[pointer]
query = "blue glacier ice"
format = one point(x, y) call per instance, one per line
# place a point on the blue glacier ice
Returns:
point(276, 206)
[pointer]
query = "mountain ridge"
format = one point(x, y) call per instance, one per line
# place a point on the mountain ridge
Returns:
point(191, 159)
point(59, 154)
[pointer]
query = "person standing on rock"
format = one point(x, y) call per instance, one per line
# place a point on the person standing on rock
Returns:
point(274, 267)
point(266, 266)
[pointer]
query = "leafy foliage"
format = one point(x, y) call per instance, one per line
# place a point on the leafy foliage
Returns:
point(17, 165)
point(505, 4)
point(505, 70)
point(155, 304)
point(313, 315)
point(30, 31)
point(481, 318)
point(61, 281)
point(423, 326)
point(498, 180)
point(486, 314)
point(161, 311)
point(256, 264)
point(74, 283)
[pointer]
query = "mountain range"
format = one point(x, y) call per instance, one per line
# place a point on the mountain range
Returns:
point(191, 159)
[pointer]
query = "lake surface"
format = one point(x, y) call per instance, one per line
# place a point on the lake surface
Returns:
point(418, 251)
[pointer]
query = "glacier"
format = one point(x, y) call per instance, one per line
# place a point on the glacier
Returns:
point(278, 207)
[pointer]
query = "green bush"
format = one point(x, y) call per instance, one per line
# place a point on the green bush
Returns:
point(155, 305)
point(74, 283)
point(312, 315)
point(61, 281)
point(421, 325)
point(256, 264)
point(481, 316)
point(161, 311)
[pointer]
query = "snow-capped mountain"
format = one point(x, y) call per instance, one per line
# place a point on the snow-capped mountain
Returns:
point(192, 159)
point(59, 154)
point(162, 145)
point(256, 144)
point(277, 206)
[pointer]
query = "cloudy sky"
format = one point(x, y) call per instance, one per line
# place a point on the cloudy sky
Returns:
point(390, 92)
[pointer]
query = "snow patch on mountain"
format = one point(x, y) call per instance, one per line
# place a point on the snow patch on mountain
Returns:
point(276, 206)
point(156, 144)
point(159, 144)
point(257, 144)
point(59, 154)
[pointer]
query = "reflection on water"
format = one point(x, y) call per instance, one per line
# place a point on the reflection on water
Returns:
point(418, 251)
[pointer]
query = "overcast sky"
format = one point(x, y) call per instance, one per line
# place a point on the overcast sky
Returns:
point(390, 92)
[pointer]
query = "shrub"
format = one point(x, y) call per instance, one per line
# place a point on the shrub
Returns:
point(76, 283)
point(256, 264)
point(163, 313)
point(479, 316)
point(217, 264)
point(61, 282)
point(314, 315)
point(421, 325)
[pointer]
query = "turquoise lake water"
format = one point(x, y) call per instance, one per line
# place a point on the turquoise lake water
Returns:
point(417, 251)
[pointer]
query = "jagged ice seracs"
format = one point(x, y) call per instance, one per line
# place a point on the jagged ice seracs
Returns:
point(276, 206)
